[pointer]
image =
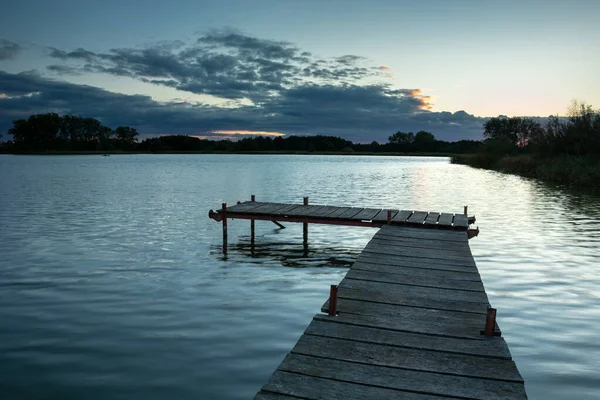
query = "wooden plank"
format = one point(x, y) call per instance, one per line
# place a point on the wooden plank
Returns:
point(267, 208)
point(351, 212)
point(432, 234)
point(401, 217)
point(366, 214)
point(418, 271)
point(400, 379)
point(421, 243)
point(426, 236)
point(407, 358)
point(460, 221)
point(338, 212)
point(285, 210)
point(324, 325)
point(417, 218)
point(325, 211)
point(432, 218)
point(413, 262)
point(247, 206)
point(430, 280)
point(445, 219)
point(304, 211)
point(382, 215)
point(431, 257)
point(415, 296)
point(419, 252)
point(305, 386)
point(396, 248)
point(411, 319)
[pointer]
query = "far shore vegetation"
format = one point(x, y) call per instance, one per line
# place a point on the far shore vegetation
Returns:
point(54, 134)
point(565, 151)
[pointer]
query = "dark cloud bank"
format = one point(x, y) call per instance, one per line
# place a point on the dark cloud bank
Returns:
point(269, 85)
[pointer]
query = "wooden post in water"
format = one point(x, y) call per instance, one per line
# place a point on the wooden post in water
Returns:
point(224, 213)
point(466, 210)
point(389, 217)
point(490, 322)
point(305, 231)
point(332, 310)
point(252, 198)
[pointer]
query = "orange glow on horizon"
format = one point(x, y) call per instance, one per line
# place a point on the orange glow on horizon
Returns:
point(242, 132)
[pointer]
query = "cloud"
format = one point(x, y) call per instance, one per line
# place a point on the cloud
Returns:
point(271, 86)
point(223, 64)
point(8, 50)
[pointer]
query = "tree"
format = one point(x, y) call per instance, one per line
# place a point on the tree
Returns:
point(520, 131)
point(424, 141)
point(401, 138)
point(126, 135)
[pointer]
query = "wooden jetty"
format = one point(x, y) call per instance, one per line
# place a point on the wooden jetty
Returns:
point(410, 320)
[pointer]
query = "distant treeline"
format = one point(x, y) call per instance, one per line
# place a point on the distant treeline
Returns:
point(54, 133)
point(564, 150)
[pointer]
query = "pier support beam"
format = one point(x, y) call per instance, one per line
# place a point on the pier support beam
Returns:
point(305, 231)
point(332, 310)
point(224, 214)
point(490, 322)
point(252, 198)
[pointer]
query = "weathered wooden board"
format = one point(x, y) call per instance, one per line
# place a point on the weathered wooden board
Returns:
point(401, 216)
point(416, 252)
point(417, 271)
point(427, 280)
point(415, 262)
point(421, 243)
point(431, 258)
point(382, 215)
point(305, 386)
point(325, 211)
point(446, 219)
point(366, 214)
point(351, 212)
point(437, 234)
point(304, 211)
point(460, 221)
point(246, 206)
point(267, 208)
point(432, 218)
point(289, 208)
point(401, 379)
point(376, 246)
point(427, 236)
point(411, 319)
point(417, 217)
point(342, 328)
point(407, 358)
point(338, 212)
point(415, 296)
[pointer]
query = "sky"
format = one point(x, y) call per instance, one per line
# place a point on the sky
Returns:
point(361, 70)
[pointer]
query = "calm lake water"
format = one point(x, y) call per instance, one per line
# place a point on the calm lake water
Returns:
point(113, 286)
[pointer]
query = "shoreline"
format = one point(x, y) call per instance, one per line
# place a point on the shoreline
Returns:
point(324, 153)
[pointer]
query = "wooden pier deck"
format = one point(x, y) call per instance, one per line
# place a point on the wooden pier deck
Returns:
point(334, 215)
point(410, 320)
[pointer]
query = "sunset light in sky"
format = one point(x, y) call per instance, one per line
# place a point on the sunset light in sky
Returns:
point(355, 69)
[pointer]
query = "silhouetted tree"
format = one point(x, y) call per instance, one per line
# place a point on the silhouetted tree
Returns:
point(518, 130)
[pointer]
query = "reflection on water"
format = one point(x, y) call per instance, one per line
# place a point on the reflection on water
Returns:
point(290, 254)
point(113, 284)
